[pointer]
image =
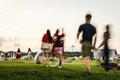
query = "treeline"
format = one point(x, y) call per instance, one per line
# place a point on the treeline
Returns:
point(66, 53)
point(72, 54)
point(9, 53)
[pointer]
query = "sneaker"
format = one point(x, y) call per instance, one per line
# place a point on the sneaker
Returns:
point(59, 66)
point(88, 73)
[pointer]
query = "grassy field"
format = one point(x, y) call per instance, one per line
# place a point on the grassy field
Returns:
point(26, 70)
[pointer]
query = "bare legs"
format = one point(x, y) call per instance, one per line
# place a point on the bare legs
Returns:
point(60, 60)
point(87, 64)
point(46, 62)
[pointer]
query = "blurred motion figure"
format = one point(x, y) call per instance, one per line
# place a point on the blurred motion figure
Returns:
point(106, 37)
point(89, 33)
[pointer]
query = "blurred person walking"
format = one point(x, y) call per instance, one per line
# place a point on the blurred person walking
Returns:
point(89, 34)
point(106, 37)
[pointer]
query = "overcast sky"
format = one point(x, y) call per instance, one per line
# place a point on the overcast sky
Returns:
point(23, 22)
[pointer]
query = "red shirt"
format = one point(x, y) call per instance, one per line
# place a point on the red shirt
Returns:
point(45, 38)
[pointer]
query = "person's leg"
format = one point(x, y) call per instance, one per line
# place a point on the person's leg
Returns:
point(28, 56)
point(107, 66)
point(87, 64)
point(106, 53)
point(60, 60)
point(19, 59)
point(55, 63)
point(46, 62)
point(86, 52)
point(60, 56)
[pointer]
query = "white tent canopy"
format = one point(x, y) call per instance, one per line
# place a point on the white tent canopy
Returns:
point(100, 53)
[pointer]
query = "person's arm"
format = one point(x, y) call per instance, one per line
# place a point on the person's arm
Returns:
point(78, 33)
point(95, 39)
point(63, 34)
point(62, 30)
point(103, 42)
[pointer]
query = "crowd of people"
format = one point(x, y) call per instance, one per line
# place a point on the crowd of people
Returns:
point(55, 44)
point(19, 54)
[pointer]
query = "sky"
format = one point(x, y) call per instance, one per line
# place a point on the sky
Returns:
point(23, 22)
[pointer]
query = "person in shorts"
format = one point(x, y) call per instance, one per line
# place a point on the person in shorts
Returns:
point(58, 45)
point(46, 45)
point(88, 34)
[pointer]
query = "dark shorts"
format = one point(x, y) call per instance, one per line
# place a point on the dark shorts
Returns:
point(86, 49)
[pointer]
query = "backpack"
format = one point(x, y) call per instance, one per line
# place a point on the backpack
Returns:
point(59, 41)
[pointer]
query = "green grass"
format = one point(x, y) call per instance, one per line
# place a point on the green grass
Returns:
point(30, 71)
